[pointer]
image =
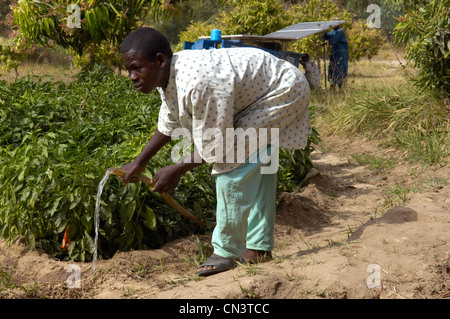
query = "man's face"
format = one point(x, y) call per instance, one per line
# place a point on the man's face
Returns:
point(144, 74)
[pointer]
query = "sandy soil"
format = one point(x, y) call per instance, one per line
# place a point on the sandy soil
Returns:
point(343, 235)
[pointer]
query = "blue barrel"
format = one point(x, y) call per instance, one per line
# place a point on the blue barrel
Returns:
point(216, 35)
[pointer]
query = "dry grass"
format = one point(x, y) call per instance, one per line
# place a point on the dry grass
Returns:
point(380, 101)
point(388, 69)
point(54, 72)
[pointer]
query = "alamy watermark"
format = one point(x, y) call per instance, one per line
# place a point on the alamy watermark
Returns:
point(374, 279)
point(374, 20)
point(235, 145)
point(74, 279)
point(74, 20)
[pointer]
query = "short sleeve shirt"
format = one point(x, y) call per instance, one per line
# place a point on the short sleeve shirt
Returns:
point(232, 101)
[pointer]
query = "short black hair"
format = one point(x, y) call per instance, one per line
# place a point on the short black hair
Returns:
point(304, 57)
point(147, 42)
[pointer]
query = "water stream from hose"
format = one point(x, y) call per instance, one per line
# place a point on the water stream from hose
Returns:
point(101, 185)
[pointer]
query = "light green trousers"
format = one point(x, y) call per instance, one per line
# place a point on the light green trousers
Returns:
point(246, 206)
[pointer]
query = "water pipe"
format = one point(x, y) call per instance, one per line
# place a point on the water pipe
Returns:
point(169, 199)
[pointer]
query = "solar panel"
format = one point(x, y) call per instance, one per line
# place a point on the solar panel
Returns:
point(303, 29)
point(292, 33)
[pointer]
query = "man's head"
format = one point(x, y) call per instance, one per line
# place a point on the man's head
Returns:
point(146, 53)
point(305, 57)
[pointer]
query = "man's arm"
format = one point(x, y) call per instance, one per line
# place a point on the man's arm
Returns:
point(167, 178)
point(157, 141)
point(328, 36)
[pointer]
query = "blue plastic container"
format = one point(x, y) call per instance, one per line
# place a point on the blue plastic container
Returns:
point(216, 35)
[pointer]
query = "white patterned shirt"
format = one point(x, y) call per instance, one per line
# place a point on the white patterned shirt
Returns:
point(210, 91)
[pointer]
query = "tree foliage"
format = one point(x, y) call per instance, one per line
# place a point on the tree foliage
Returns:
point(388, 12)
point(362, 41)
point(184, 13)
point(253, 17)
point(12, 47)
point(103, 24)
point(259, 17)
point(12, 53)
point(424, 30)
point(4, 12)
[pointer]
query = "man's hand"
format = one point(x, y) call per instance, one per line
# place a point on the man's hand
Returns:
point(132, 169)
point(137, 166)
point(167, 178)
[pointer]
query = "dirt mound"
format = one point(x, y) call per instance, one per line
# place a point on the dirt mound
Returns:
point(340, 236)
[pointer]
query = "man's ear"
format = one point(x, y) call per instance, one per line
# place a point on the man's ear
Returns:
point(161, 60)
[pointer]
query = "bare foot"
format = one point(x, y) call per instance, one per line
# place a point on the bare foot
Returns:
point(255, 256)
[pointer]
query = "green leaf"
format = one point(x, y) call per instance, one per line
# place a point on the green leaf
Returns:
point(21, 175)
point(30, 238)
point(90, 176)
point(127, 210)
point(149, 218)
point(86, 221)
point(125, 240)
point(74, 203)
point(88, 242)
point(44, 151)
point(115, 10)
point(60, 222)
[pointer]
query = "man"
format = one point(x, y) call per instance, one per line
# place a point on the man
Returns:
point(312, 73)
point(337, 70)
point(215, 91)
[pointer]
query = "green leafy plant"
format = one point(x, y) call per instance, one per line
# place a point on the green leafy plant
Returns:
point(253, 17)
point(57, 141)
point(424, 30)
point(10, 54)
point(103, 25)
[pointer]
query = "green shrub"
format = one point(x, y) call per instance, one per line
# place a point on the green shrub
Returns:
point(260, 17)
point(256, 17)
point(57, 142)
point(362, 41)
point(102, 25)
point(194, 31)
point(424, 30)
